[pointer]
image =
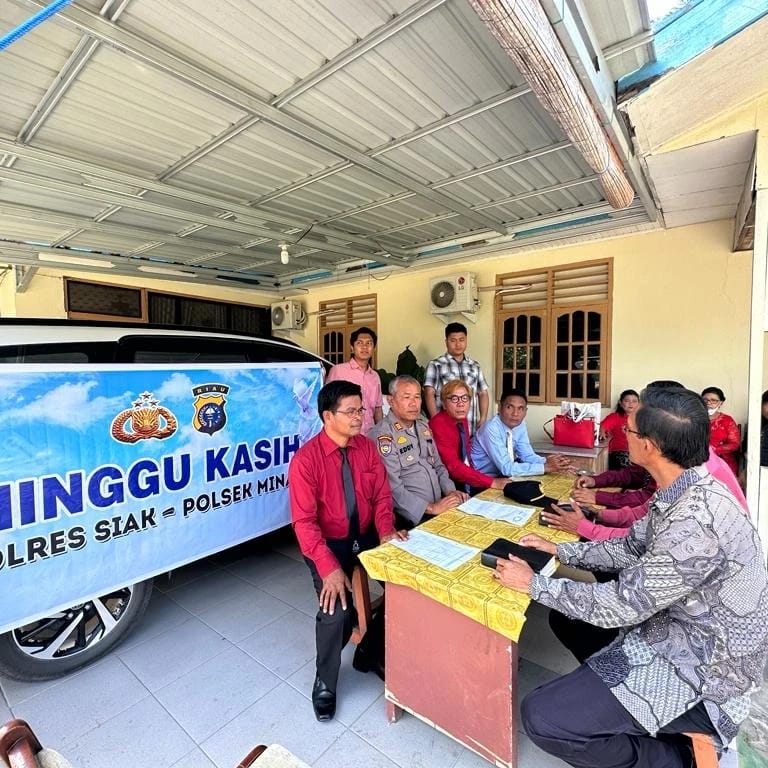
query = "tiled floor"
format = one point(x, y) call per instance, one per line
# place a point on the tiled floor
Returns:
point(224, 660)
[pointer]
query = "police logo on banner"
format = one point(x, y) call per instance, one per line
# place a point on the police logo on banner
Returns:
point(210, 416)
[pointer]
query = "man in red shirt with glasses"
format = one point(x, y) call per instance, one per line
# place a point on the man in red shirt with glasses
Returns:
point(341, 505)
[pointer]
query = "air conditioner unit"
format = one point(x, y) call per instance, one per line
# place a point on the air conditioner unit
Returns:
point(452, 294)
point(287, 315)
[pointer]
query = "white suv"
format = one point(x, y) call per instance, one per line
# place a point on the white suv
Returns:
point(39, 495)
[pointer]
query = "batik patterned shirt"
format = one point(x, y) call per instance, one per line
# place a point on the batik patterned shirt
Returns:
point(692, 597)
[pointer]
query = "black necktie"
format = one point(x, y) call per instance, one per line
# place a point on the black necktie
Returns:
point(463, 450)
point(350, 500)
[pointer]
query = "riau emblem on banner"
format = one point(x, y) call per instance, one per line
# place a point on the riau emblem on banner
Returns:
point(210, 415)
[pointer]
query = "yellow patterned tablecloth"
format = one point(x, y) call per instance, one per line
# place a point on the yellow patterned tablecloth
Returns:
point(470, 589)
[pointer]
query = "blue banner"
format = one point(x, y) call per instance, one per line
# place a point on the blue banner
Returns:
point(112, 474)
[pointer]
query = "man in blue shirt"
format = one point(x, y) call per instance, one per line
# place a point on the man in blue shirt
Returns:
point(502, 447)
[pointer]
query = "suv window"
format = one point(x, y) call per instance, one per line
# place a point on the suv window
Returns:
point(94, 352)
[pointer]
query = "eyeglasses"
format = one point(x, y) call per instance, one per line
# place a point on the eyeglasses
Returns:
point(350, 412)
point(709, 401)
point(458, 398)
point(359, 343)
point(626, 429)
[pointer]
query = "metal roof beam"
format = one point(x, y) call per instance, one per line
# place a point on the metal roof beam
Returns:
point(196, 76)
point(242, 212)
point(136, 203)
point(85, 224)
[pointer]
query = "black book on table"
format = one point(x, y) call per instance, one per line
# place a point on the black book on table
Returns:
point(541, 562)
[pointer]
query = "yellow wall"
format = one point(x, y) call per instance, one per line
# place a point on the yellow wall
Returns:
point(680, 309)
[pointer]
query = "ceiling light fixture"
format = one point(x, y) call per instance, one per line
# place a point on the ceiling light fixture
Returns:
point(285, 257)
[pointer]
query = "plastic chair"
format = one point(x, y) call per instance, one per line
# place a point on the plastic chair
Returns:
point(20, 748)
point(704, 751)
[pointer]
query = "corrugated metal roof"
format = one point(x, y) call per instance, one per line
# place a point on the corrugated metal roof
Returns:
point(360, 131)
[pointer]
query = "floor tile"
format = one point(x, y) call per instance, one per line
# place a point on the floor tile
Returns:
point(282, 716)
point(204, 593)
point(5, 712)
point(162, 614)
point(195, 759)
point(409, 742)
point(350, 751)
point(295, 588)
point(356, 691)
point(208, 697)
point(530, 756)
point(285, 645)
point(165, 658)
point(237, 618)
point(16, 691)
point(186, 574)
point(262, 567)
point(143, 736)
point(63, 712)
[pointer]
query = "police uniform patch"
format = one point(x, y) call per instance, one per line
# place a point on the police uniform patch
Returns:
point(409, 457)
point(427, 433)
point(402, 439)
point(397, 425)
point(405, 449)
point(385, 444)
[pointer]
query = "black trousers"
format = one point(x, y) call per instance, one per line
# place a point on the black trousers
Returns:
point(580, 638)
point(578, 719)
point(333, 630)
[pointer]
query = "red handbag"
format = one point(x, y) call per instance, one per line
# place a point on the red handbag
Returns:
point(577, 434)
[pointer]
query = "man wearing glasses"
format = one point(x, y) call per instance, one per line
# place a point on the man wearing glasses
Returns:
point(360, 371)
point(341, 504)
point(678, 642)
point(456, 364)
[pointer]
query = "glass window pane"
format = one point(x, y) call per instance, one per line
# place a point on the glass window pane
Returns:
point(522, 329)
point(577, 386)
point(507, 381)
point(535, 357)
point(509, 331)
point(508, 357)
point(562, 358)
point(577, 328)
point(577, 358)
point(534, 385)
point(563, 328)
point(593, 326)
point(520, 381)
point(593, 386)
point(593, 357)
point(535, 329)
point(521, 357)
point(561, 386)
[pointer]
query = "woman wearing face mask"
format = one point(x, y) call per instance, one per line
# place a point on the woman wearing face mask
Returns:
point(724, 434)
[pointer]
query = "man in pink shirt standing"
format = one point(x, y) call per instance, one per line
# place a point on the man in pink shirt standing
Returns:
point(359, 371)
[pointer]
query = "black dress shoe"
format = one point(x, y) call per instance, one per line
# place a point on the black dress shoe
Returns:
point(323, 700)
point(362, 662)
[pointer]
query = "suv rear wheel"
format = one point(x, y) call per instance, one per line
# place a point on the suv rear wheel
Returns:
point(61, 643)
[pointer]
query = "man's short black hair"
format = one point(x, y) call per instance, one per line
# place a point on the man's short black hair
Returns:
point(455, 328)
point(363, 329)
point(329, 397)
point(676, 420)
point(514, 392)
point(664, 384)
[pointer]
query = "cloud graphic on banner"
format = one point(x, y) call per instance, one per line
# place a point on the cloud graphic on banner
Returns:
point(69, 405)
point(177, 387)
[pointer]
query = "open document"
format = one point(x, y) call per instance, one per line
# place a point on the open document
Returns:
point(441, 552)
point(509, 513)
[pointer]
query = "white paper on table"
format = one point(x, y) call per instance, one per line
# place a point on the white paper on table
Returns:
point(442, 552)
point(509, 513)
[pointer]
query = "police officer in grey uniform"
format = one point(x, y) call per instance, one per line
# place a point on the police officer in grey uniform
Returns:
point(419, 480)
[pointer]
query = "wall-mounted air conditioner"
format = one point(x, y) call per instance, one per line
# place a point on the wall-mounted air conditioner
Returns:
point(452, 294)
point(287, 315)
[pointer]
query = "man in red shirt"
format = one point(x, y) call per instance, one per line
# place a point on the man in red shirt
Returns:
point(341, 504)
